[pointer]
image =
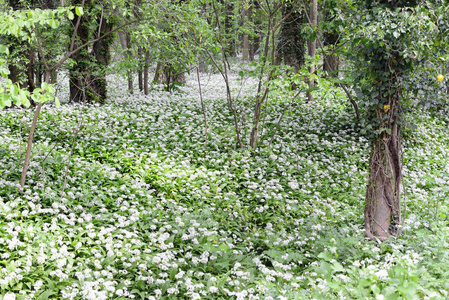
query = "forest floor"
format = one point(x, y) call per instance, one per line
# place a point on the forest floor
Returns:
point(123, 202)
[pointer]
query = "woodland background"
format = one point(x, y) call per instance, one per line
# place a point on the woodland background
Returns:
point(224, 149)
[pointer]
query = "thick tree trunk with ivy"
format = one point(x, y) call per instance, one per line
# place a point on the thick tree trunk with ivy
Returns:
point(382, 209)
point(386, 68)
point(382, 206)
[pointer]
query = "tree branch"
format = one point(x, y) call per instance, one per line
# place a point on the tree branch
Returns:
point(68, 55)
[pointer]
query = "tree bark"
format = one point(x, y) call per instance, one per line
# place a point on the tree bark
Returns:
point(157, 73)
point(312, 44)
point(21, 68)
point(331, 61)
point(140, 68)
point(231, 48)
point(78, 74)
point(291, 45)
point(246, 14)
point(30, 138)
point(145, 72)
point(102, 56)
point(382, 208)
point(387, 68)
point(125, 41)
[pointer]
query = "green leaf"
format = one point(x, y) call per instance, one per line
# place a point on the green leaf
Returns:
point(4, 72)
point(54, 23)
point(13, 90)
point(14, 29)
point(70, 15)
point(4, 49)
point(5, 100)
point(79, 11)
point(375, 289)
point(45, 295)
point(364, 282)
point(58, 104)
point(408, 289)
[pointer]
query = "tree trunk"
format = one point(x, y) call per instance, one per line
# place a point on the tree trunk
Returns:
point(139, 70)
point(246, 14)
point(388, 69)
point(229, 30)
point(331, 61)
point(30, 138)
point(254, 47)
point(124, 38)
point(145, 72)
point(168, 75)
point(39, 70)
point(382, 208)
point(78, 73)
point(102, 56)
point(21, 68)
point(312, 44)
point(255, 41)
point(291, 47)
point(157, 73)
point(245, 47)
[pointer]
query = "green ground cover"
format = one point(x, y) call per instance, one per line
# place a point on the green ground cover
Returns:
point(146, 214)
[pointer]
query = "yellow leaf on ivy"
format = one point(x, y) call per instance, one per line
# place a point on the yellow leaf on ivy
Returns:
point(386, 107)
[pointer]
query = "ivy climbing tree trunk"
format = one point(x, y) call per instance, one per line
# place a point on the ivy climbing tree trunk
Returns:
point(382, 209)
point(384, 68)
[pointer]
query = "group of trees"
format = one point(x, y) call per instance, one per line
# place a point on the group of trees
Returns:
point(385, 42)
